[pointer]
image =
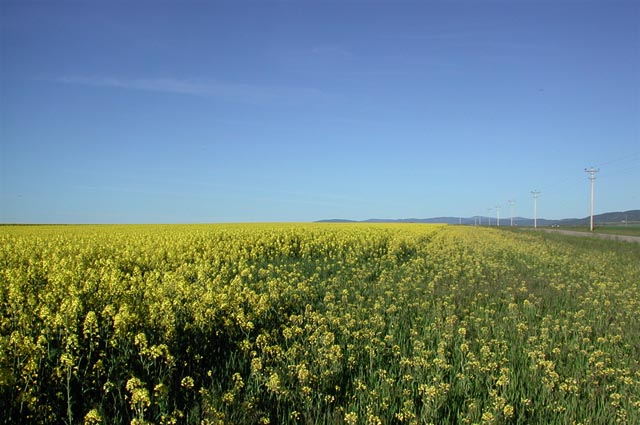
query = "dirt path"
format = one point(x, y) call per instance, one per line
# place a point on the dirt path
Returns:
point(625, 238)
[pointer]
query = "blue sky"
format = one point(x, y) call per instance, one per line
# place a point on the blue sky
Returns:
point(184, 111)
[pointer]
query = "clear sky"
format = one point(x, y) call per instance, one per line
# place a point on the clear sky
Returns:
point(185, 111)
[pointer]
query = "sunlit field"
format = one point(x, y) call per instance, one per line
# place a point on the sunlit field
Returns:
point(632, 230)
point(316, 324)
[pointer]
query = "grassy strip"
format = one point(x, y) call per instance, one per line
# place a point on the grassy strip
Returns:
point(631, 230)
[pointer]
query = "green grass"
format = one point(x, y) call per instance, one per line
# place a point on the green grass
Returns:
point(632, 230)
point(316, 324)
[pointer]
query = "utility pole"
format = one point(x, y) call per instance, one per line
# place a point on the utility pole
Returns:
point(498, 214)
point(535, 208)
point(489, 211)
point(592, 176)
point(512, 204)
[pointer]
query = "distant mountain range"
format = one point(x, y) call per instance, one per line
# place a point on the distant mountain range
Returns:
point(631, 216)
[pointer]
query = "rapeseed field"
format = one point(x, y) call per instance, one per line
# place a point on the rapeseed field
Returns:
point(316, 324)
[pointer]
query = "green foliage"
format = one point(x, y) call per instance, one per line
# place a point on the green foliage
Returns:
point(316, 323)
point(631, 230)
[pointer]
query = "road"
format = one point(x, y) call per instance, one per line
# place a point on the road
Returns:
point(625, 238)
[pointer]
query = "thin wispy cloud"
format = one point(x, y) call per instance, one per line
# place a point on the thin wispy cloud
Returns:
point(232, 92)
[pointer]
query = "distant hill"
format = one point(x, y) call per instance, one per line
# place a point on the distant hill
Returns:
point(447, 220)
point(631, 216)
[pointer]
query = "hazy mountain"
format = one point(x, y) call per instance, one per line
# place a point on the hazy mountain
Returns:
point(631, 216)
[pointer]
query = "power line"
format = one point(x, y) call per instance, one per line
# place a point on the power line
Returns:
point(629, 162)
point(627, 157)
point(626, 165)
point(621, 172)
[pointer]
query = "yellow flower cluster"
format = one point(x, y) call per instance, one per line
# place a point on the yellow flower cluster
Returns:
point(316, 323)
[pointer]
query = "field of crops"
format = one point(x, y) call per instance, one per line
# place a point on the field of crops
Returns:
point(316, 324)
